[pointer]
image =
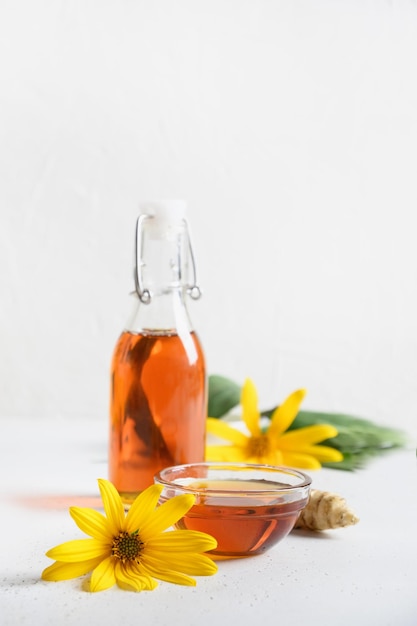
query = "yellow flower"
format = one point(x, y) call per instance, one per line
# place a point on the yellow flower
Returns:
point(274, 446)
point(132, 550)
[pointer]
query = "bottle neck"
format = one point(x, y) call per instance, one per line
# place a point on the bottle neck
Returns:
point(166, 314)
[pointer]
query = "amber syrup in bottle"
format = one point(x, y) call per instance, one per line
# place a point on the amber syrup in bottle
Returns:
point(158, 402)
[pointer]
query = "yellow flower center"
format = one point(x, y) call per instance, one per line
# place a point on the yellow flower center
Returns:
point(127, 547)
point(259, 446)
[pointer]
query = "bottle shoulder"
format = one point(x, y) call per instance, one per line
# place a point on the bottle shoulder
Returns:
point(179, 349)
point(166, 314)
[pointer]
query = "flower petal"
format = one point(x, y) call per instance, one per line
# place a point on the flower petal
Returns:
point(186, 563)
point(166, 515)
point(113, 506)
point(250, 411)
point(79, 550)
point(130, 578)
point(153, 568)
point(284, 415)
point(103, 577)
point(234, 454)
point(65, 571)
point(300, 460)
point(324, 454)
point(182, 541)
point(91, 522)
point(225, 431)
point(142, 507)
point(305, 436)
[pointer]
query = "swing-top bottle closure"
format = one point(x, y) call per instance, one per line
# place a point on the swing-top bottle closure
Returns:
point(164, 221)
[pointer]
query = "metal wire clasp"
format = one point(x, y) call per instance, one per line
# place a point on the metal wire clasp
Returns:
point(145, 296)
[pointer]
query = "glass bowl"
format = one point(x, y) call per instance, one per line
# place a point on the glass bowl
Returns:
point(248, 508)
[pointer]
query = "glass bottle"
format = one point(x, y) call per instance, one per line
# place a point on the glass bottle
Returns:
point(158, 403)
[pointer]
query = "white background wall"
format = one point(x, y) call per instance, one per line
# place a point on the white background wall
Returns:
point(291, 129)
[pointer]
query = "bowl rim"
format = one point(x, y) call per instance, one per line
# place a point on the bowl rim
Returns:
point(305, 479)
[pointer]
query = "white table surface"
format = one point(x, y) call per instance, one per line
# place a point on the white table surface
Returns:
point(363, 575)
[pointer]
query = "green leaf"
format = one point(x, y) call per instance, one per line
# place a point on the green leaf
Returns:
point(349, 463)
point(357, 460)
point(355, 434)
point(223, 395)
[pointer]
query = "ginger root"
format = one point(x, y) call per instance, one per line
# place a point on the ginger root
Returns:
point(325, 510)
